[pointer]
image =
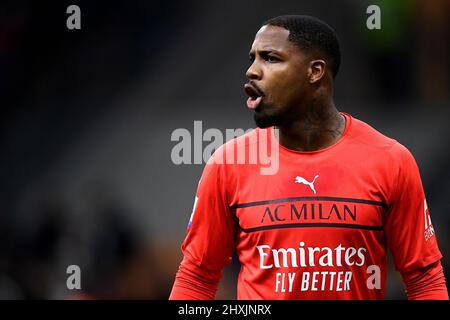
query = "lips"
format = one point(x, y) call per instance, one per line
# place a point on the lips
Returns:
point(255, 95)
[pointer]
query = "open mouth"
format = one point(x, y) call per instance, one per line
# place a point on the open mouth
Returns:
point(254, 96)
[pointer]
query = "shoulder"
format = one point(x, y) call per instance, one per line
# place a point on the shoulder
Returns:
point(379, 147)
point(238, 146)
point(364, 134)
point(248, 139)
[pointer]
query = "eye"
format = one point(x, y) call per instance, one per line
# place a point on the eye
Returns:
point(271, 58)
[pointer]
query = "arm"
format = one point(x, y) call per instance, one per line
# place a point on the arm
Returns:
point(426, 284)
point(209, 242)
point(410, 234)
point(193, 283)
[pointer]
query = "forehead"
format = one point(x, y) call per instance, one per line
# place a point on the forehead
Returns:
point(272, 37)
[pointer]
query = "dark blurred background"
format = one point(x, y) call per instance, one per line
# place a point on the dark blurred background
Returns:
point(86, 118)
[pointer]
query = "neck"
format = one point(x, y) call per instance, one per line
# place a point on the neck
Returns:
point(319, 127)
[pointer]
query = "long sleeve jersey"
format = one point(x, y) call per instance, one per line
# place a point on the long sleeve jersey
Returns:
point(318, 225)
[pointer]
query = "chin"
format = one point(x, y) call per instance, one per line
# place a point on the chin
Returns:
point(268, 115)
point(265, 121)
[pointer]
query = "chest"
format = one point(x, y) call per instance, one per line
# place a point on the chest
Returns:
point(307, 195)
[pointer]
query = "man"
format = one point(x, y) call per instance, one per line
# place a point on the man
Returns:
point(344, 193)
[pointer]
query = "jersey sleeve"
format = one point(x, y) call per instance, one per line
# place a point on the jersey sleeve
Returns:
point(426, 283)
point(210, 238)
point(408, 228)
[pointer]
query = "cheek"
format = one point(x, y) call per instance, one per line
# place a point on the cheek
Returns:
point(289, 90)
point(284, 83)
point(288, 82)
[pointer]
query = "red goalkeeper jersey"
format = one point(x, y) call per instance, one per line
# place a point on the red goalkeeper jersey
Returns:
point(318, 228)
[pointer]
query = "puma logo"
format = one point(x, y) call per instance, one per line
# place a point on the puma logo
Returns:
point(299, 179)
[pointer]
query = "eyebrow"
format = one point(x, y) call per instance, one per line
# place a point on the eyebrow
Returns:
point(264, 51)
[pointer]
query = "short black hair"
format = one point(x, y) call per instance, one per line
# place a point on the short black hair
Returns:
point(311, 34)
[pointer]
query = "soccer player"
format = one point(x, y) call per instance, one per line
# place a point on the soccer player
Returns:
point(343, 195)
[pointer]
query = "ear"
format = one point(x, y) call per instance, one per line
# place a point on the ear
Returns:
point(316, 70)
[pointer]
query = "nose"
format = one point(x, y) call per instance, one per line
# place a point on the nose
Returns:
point(253, 72)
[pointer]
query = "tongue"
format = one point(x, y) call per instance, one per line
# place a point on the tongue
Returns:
point(253, 103)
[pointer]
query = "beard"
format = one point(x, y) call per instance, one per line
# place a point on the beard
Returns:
point(265, 121)
point(266, 116)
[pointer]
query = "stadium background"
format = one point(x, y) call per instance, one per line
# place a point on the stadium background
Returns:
point(86, 119)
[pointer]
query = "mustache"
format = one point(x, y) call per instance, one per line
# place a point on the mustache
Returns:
point(255, 88)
